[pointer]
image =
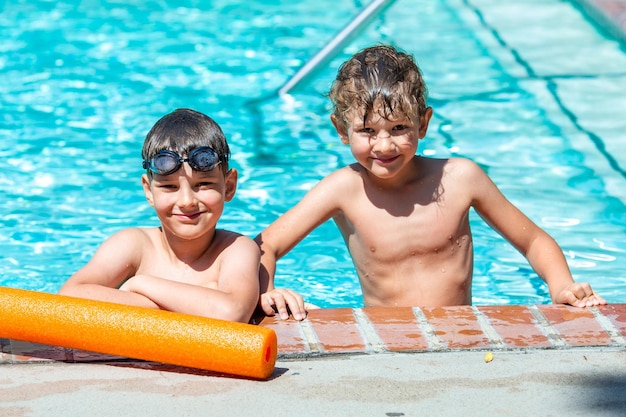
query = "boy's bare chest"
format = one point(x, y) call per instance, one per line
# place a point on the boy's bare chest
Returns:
point(199, 273)
point(405, 230)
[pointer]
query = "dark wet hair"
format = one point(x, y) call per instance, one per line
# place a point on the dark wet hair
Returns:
point(379, 75)
point(182, 131)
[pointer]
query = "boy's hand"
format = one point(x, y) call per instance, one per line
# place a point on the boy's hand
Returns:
point(579, 294)
point(283, 301)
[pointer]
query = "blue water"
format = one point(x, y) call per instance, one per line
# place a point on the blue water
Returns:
point(531, 90)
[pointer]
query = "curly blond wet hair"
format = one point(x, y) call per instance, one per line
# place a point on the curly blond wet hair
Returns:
point(379, 77)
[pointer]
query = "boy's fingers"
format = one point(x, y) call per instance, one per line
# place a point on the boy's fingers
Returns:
point(296, 305)
point(275, 304)
point(267, 304)
point(582, 295)
point(281, 307)
point(283, 301)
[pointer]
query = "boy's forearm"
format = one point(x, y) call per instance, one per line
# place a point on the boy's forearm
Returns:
point(108, 294)
point(547, 259)
point(189, 299)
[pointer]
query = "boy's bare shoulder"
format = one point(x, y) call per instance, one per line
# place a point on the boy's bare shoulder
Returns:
point(225, 238)
point(459, 168)
point(223, 235)
point(139, 234)
point(455, 175)
point(134, 233)
point(463, 162)
point(347, 173)
point(341, 180)
point(134, 240)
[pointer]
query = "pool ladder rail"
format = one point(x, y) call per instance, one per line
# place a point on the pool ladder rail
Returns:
point(331, 49)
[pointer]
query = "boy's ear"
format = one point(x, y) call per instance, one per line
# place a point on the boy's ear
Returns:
point(425, 119)
point(230, 184)
point(340, 127)
point(145, 182)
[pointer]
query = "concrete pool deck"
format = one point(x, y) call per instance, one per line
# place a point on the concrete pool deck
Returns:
point(547, 360)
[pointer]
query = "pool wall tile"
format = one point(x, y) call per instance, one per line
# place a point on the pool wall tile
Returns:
point(577, 326)
point(290, 335)
point(397, 328)
point(516, 325)
point(458, 327)
point(336, 330)
point(616, 314)
point(16, 351)
point(85, 356)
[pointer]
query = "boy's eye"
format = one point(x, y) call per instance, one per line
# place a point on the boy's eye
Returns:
point(206, 184)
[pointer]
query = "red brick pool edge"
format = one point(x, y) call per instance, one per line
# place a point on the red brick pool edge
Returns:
point(328, 332)
point(374, 330)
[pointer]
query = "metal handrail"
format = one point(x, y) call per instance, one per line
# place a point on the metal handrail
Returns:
point(335, 45)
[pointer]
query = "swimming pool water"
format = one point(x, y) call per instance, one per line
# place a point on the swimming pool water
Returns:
point(530, 90)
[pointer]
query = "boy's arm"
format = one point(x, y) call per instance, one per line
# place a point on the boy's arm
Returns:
point(234, 298)
point(317, 206)
point(540, 249)
point(114, 261)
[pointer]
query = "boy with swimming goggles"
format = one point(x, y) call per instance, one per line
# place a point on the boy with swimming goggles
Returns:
point(404, 217)
point(186, 265)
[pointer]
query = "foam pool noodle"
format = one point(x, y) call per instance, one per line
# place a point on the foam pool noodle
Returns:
point(138, 333)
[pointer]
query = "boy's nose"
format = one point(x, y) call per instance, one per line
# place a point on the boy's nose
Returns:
point(186, 196)
point(383, 142)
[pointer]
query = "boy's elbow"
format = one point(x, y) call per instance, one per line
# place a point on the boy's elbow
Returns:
point(236, 313)
point(70, 290)
point(267, 248)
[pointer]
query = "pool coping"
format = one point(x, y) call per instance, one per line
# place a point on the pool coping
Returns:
point(357, 331)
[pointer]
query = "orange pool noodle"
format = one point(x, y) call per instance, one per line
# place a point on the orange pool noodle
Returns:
point(139, 333)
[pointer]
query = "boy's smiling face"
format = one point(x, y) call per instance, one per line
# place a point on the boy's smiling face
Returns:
point(189, 203)
point(382, 145)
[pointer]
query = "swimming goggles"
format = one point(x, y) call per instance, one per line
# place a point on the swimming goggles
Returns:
point(167, 162)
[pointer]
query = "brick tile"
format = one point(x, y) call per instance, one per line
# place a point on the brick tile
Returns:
point(289, 333)
point(457, 327)
point(577, 326)
point(337, 330)
point(616, 313)
point(516, 326)
point(5, 350)
point(77, 355)
point(398, 328)
point(20, 351)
